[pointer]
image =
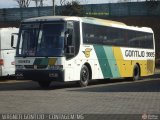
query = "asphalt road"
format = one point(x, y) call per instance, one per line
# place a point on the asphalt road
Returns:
point(100, 97)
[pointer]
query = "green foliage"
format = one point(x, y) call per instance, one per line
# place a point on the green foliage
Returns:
point(152, 3)
point(72, 8)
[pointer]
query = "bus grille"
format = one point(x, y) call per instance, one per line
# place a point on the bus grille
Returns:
point(38, 66)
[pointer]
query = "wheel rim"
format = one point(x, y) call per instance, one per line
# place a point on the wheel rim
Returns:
point(85, 75)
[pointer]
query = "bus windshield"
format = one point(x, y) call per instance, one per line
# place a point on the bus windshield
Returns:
point(41, 39)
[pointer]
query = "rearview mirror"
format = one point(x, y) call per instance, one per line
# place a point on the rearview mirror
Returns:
point(13, 43)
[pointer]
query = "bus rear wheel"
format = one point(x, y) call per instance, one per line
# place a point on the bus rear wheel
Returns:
point(44, 84)
point(84, 76)
point(136, 72)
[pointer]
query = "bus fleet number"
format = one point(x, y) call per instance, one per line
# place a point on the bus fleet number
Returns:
point(150, 54)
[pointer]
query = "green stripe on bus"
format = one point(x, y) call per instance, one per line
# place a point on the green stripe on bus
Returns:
point(37, 61)
point(41, 61)
point(103, 61)
point(112, 61)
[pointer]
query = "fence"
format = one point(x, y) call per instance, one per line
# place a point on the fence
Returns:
point(105, 10)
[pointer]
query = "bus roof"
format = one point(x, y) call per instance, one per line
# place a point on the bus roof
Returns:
point(115, 24)
point(90, 20)
point(83, 19)
point(51, 18)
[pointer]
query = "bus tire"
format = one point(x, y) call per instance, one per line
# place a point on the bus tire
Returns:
point(136, 72)
point(44, 84)
point(84, 76)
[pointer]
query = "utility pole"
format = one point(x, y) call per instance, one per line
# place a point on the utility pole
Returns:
point(53, 2)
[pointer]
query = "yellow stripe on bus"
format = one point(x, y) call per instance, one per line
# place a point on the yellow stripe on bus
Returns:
point(52, 61)
point(126, 66)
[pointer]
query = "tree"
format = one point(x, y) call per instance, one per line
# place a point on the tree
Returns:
point(152, 3)
point(62, 2)
point(39, 3)
point(23, 3)
point(72, 8)
point(36, 2)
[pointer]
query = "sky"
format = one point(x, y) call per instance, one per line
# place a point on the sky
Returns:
point(13, 3)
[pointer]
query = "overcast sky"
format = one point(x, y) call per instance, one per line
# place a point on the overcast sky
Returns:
point(13, 3)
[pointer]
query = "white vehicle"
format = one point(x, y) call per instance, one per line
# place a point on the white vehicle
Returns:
point(7, 53)
point(82, 49)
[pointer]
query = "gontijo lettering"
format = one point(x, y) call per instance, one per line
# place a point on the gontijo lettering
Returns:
point(23, 61)
point(137, 53)
point(134, 53)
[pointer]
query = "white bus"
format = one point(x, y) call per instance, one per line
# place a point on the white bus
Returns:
point(82, 49)
point(7, 53)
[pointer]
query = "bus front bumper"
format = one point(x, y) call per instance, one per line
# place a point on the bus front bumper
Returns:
point(40, 75)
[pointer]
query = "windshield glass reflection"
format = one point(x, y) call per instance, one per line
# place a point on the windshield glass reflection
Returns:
point(41, 40)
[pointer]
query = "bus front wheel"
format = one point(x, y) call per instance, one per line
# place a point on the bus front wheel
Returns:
point(136, 72)
point(84, 76)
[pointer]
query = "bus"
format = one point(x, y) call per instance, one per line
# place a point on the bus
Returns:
point(7, 53)
point(67, 48)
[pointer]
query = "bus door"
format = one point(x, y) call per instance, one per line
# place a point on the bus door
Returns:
point(72, 44)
